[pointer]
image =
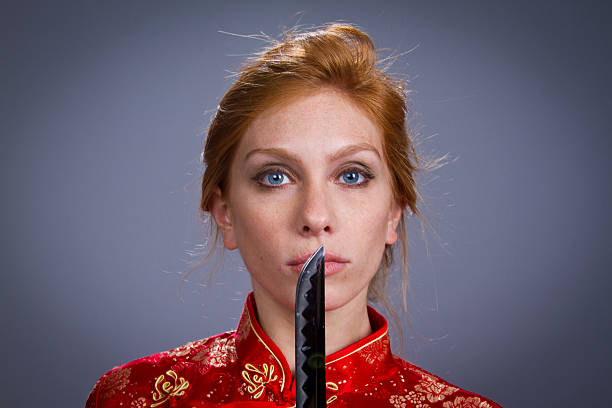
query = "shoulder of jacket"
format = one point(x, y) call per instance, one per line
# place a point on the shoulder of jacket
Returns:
point(425, 389)
point(136, 380)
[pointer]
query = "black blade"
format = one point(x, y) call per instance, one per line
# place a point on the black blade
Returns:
point(310, 333)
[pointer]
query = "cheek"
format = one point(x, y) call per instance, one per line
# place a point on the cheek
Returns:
point(366, 216)
point(258, 225)
point(367, 230)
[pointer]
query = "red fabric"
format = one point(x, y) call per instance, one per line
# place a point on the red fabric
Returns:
point(244, 368)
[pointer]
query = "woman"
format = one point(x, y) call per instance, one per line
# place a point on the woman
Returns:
point(308, 147)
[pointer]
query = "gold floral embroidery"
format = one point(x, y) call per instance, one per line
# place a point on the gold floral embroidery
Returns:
point(115, 381)
point(398, 401)
point(417, 399)
point(244, 328)
point(168, 389)
point(327, 363)
point(470, 402)
point(139, 403)
point(219, 353)
point(184, 349)
point(334, 387)
point(375, 351)
point(260, 378)
point(435, 391)
point(272, 355)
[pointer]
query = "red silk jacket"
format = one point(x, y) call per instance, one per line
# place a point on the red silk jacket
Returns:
point(244, 368)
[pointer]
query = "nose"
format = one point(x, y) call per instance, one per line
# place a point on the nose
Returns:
point(316, 214)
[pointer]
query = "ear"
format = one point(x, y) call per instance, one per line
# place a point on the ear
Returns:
point(395, 213)
point(220, 210)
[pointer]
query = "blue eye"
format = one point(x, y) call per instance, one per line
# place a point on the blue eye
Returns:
point(275, 178)
point(352, 177)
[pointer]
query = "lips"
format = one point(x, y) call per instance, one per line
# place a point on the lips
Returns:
point(333, 263)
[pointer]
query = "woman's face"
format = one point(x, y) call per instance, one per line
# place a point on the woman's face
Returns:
point(307, 173)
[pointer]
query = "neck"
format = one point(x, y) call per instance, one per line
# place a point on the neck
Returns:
point(343, 326)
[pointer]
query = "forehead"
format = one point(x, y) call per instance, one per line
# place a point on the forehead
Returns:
point(326, 120)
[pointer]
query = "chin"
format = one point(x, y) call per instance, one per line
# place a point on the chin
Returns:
point(334, 304)
point(336, 298)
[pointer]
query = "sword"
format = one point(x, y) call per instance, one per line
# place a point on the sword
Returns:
point(310, 333)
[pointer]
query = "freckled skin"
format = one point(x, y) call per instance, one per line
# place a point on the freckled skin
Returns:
point(314, 205)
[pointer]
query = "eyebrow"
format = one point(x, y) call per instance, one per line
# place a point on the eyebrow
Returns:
point(343, 152)
point(352, 149)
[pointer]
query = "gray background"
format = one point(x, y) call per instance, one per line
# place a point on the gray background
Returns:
point(103, 106)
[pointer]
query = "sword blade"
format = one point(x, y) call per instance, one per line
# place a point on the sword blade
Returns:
point(310, 333)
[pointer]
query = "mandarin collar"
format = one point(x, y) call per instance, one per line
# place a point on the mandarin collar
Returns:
point(265, 368)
